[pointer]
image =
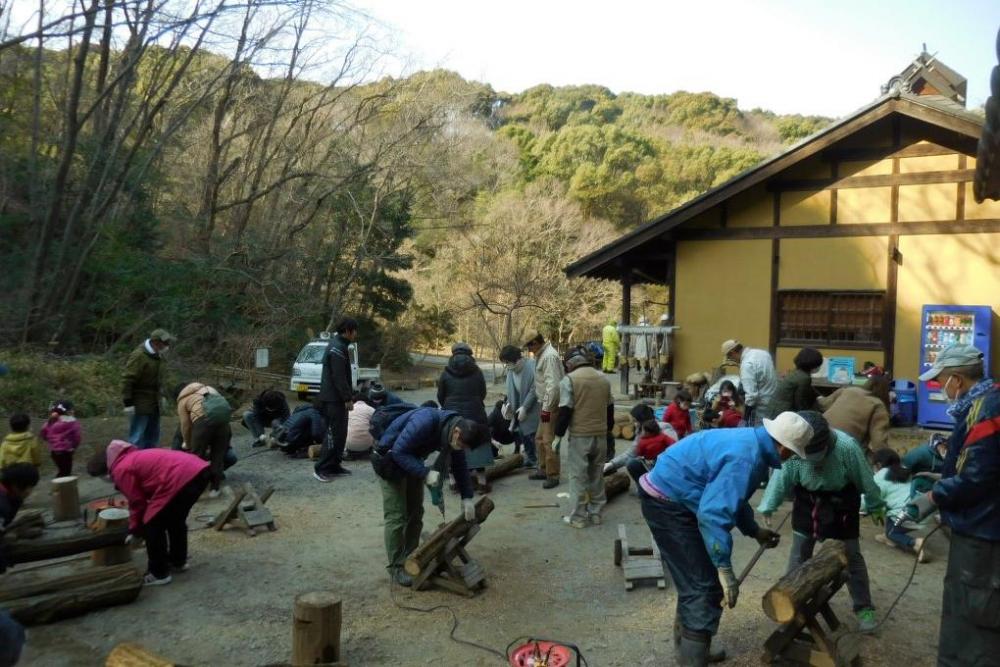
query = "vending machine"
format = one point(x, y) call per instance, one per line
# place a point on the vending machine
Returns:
point(944, 326)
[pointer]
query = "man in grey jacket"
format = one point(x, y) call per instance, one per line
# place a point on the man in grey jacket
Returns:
point(548, 373)
point(522, 403)
point(758, 379)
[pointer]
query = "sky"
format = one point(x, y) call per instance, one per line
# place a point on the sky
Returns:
point(810, 57)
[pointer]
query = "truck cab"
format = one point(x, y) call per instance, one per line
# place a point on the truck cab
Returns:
point(307, 371)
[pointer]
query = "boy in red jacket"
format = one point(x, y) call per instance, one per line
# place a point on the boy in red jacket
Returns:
point(653, 441)
point(678, 413)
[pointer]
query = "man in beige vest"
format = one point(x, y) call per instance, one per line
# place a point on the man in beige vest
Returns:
point(548, 374)
point(586, 410)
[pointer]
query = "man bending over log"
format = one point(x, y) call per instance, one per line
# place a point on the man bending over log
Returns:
point(827, 482)
point(398, 460)
point(692, 498)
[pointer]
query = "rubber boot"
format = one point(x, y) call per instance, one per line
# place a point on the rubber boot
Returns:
point(693, 649)
point(715, 654)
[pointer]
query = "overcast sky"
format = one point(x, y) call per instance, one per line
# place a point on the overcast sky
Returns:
point(789, 56)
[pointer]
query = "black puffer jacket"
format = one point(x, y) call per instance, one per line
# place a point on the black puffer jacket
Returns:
point(462, 388)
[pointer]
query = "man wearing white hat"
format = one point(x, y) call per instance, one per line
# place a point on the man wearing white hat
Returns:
point(758, 379)
point(968, 496)
point(693, 497)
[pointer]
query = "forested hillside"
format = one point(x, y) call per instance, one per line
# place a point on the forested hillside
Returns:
point(247, 198)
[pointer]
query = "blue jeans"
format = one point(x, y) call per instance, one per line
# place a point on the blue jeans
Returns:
point(530, 455)
point(144, 430)
point(699, 593)
point(898, 534)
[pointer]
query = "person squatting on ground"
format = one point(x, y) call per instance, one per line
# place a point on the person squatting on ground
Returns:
point(795, 391)
point(694, 496)
point(462, 389)
point(267, 411)
point(827, 481)
point(142, 387)
point(652, 442)
point(398, 460)
point(639, 414)
point(62, 433)
point(17, 481)
point(20, 445)
point(587, 411)
point(758, 379)
point(548, 374)
point(895, 481)
point(204, 414)
point(612, 343)
point(303, 428)
point(161, 486)
point(359, 439)
point(336, 393)
point(522, 407)
point(678, 413)
point(968, 496)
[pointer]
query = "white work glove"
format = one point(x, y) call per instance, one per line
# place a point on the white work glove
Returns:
point(521, 413)
point(469, 509)
point(507, 411)
point(730, 587)
point(184, 446)
point(609, 467)
point(433, 477)
point(129, 539)
point(129, 410)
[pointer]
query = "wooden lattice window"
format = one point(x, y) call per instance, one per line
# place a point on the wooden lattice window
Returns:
point(831, 319)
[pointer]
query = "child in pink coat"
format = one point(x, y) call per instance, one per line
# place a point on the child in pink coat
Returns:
point(161, 486)
point(63, 434)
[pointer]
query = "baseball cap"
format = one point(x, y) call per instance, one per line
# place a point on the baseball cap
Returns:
point(729, 346)
point(162, 335)
point(791, 431)
point(955, 356)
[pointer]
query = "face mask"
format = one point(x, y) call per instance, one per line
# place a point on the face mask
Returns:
point(944, 390)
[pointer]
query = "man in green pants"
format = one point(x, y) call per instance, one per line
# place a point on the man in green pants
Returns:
point(398, 460)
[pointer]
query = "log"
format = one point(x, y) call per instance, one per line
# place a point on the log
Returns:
point(316, 623)
point(65, 499)
point(797, 587)
point(113, 518)
point(39, 582)
point(63, 543)
point(628, 432)
point(121, 585)
point(26, 519)
point(616, 431)
point(314, 451)
point(133, 655)
point(420, 557)
point(616, 484)
point(505, 466)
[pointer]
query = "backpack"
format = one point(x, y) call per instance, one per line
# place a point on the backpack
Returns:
point(385, 415)
point(216, 407)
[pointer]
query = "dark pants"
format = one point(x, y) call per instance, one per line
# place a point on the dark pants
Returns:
point(336, 438)
point(166, 535)
point(64, 463)
point(970, 610)
point(857, 569)
point(528, 441)
point(210, 440)
point(144, 430)
point(699, 593)
point(256, 424)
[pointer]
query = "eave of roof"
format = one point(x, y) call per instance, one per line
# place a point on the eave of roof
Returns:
point(909, 105)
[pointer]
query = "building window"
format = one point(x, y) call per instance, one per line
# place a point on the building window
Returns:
point(831, 319)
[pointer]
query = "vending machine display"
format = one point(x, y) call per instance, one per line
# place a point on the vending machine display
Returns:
point(944, 326)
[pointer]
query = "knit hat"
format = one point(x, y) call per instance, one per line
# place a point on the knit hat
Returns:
point(461, 348)
point(376, 392)
point(115, 450)
point(791, 431)
point(822, 435)
point(576, 357)
point(955, 356)
point(62, 407)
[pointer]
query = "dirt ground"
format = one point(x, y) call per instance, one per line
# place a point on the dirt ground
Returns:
point(545, 579)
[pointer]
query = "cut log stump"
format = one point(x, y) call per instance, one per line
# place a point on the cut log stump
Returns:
point(316, 624)
point(783, 601)
point(314, 451)
point(65, 499)
point(118, 554)
point(133, 655)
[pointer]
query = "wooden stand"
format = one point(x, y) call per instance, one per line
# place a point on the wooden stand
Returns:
point(114, 555)
point(639, 564)
point(65, 499)
point(248, 508)
point(316, 629)
point(796, 601)
point(442, 560)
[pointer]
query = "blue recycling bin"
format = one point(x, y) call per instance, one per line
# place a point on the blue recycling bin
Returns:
point(905, 407)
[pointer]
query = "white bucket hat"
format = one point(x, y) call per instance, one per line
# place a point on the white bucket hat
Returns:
point(791, 431)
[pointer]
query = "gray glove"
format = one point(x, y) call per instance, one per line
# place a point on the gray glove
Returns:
point(730, 587)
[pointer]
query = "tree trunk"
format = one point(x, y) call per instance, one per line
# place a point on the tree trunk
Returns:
point(75, 594)
point(798, 586)
point(133, 655)
point(25, 519)
point(62, 543)
point(65, 499)
point(616, 484)
point(316, 629)
point(426, 552)
point(504, 467)
point(115, 555)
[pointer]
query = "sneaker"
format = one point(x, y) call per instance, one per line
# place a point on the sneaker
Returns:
point(322, 478)
point(538, 476)
point(259, 442)
point(214, 493)
point(550, 483)
point(574, 522)
point(866, 621)
point(595, 519)
point(340, 470)
point(402, 578)
point(181, 568)
point(150, 580)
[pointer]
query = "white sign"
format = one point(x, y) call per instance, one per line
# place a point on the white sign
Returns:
point(262, 357)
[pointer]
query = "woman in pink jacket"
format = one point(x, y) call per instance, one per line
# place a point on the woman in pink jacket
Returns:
point(161, 486)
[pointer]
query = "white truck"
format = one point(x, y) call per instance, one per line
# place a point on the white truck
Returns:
point(307, 371)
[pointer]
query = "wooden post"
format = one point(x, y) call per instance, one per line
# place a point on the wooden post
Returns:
point(112, 517)
point(504, 467)
point(65, 499)
point(133, 655)
point(784, 600)
point(316, 629)
point(420, 557)
point(626, 320)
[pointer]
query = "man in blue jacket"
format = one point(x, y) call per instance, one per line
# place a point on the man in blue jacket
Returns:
point(968, 496)
point(306, 426)
point(692, 498)
point(398, 459)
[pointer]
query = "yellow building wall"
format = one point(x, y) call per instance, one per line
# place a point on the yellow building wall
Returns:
point(912, 165)
point(753, 208)
point(961, 269)
point(785, 356)
point(987, 210)
point(849, 263)
point(864, 205)
point(805, 208)
point(723, 291)
point(850, 168)
point(937, 201)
